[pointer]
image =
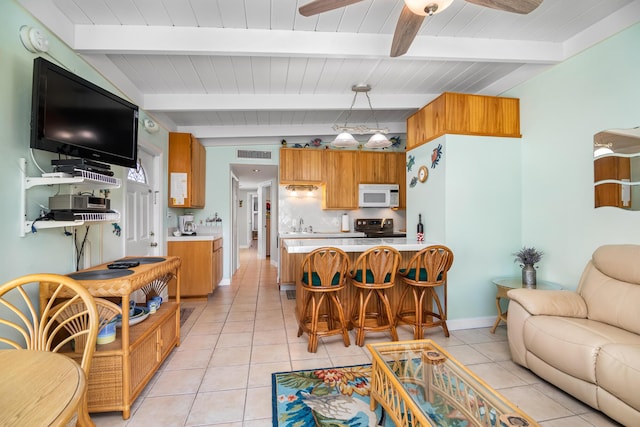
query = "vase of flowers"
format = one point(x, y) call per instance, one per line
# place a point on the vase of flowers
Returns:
point(528, 257)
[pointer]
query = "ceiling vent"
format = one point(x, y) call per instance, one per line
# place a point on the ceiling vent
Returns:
point(251, 154)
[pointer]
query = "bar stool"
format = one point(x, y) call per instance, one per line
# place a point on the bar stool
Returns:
point(426, 271)
point(324, 274)
point(373, 273)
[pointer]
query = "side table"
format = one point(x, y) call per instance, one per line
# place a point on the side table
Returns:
point(503, 284)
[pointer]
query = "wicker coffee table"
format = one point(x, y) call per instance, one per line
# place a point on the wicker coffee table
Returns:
point(420, 384)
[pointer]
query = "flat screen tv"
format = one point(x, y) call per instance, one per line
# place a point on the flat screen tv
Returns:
point(74, 117)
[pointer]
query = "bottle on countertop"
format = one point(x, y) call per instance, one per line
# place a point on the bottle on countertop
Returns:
point(420, 234)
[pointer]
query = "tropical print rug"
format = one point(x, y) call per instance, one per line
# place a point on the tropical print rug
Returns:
point(325, 397)
point(339, 397)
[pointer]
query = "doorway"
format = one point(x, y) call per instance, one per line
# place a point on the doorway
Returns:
point(142, 208)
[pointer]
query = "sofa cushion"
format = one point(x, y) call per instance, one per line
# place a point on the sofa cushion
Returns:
point(618, 372)
point(570, 344)
point(610, 300)
point(549, 302)
point(622, 262)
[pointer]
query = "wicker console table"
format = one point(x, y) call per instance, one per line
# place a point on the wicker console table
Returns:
point(121, 369)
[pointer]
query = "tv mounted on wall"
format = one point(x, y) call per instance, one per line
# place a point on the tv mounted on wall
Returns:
point(74, 117)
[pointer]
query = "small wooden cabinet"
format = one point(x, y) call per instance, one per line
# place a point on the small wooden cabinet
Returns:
point(201, 266)
point(340, 190)
point(298, 165)
point(186, 156)
point(464, 114)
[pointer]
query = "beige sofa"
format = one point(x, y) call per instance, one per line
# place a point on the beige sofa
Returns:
point(586, 342)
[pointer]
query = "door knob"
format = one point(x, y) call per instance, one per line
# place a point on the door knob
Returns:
point(153, 244)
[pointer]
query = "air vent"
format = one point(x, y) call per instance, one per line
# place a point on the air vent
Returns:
point(251, 154)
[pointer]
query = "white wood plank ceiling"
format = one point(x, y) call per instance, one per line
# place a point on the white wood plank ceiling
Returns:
point(231, 71)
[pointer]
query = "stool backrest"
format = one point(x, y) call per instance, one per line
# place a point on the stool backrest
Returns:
point(430, 265)
point(378, 264)
point(325, 267)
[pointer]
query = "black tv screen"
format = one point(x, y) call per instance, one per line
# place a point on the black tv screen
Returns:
point(74, 117)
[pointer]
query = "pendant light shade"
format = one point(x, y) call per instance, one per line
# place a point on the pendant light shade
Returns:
point(378, 140)
point(427, 7)
point(344, 139)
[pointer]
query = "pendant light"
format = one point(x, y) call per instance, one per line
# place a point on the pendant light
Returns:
point(345, 137)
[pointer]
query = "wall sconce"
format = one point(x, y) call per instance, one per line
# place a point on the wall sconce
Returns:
point(295, 188)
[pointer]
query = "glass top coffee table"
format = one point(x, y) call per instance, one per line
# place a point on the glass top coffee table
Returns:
point(419, 384)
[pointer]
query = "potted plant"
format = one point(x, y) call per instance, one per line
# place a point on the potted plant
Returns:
point(528, 257)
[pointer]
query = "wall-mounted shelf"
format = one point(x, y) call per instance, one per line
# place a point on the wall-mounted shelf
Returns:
point(87, 180)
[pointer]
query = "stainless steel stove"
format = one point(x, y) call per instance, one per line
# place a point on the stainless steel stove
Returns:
point(376, 227)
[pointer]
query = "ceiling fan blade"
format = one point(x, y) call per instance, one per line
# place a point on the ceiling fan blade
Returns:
point(515, 6)
point(319, 6)
point(406, 29)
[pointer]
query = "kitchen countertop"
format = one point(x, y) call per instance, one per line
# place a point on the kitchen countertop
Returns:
point(187, 238)
point(303, 246)
point(320, 235)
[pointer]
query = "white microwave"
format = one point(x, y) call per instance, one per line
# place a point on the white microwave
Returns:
point(378, 195)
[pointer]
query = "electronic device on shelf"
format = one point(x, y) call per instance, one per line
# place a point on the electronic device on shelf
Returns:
point(80, 162)
point(72, 116)
point(79, 203)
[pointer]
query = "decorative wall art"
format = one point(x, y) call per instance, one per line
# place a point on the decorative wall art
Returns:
point(436, 155)
point(411, 162)
point(414, 181)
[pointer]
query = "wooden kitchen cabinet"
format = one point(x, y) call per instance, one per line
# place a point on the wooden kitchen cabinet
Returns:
point(187, 156)
point(464, 114)
point(340, 190)
point(401, 177)
point(201, 266)
point(300, 165)
point(377, 167)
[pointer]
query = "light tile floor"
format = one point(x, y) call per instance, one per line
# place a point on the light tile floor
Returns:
point(221, 373)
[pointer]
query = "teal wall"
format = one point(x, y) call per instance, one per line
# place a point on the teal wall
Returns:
point(48, 250)
point(470, 203)
point(560, 112)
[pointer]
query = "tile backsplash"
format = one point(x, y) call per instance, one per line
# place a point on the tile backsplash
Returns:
point(309, 208)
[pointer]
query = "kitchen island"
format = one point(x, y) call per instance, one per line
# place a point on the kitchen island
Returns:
point(296, 249)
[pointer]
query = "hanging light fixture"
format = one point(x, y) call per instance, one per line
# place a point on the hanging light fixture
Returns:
point(427, 7)
point(345, 137)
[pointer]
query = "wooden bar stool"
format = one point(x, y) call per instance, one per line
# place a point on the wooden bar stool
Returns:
point(324, 274)
point(426, 271)
point(373, 273)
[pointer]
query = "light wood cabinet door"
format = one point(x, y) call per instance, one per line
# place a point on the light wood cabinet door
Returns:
point(464, 114)
point(401, 177)
point(187, 156)
point(610, 194)
point(300, 165)
point(217, 263)
point(377, 168)
point(197, 267)
point(340, 189)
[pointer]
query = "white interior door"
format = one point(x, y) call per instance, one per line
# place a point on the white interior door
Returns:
point(142, 210)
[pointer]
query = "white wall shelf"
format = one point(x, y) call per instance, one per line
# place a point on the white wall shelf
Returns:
point(87, 180)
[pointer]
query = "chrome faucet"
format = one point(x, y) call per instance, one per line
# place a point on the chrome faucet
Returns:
point(300, 225)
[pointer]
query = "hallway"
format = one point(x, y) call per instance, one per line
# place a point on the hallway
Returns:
point(221, 373)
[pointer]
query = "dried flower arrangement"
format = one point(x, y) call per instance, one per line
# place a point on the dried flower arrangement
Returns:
point(528, 256)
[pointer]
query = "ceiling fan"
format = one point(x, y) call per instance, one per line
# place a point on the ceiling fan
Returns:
point(414, 12)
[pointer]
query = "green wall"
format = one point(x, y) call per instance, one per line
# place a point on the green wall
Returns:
point(47, 250)
point(560, 112)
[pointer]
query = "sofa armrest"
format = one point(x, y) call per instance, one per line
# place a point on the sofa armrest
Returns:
point(550, 302)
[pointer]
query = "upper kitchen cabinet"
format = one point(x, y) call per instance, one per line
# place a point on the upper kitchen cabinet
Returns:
point(187, 171)
point(376, 167)
point(299, 165)
point(463, 114)
point(340, 190)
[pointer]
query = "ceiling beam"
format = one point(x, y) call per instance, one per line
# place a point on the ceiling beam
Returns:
point(155, 40)
point(276, 102)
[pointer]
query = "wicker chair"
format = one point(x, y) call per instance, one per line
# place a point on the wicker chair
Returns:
point(71, 323)
point(324, 274)
point(426, 271)
point(373, 273)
